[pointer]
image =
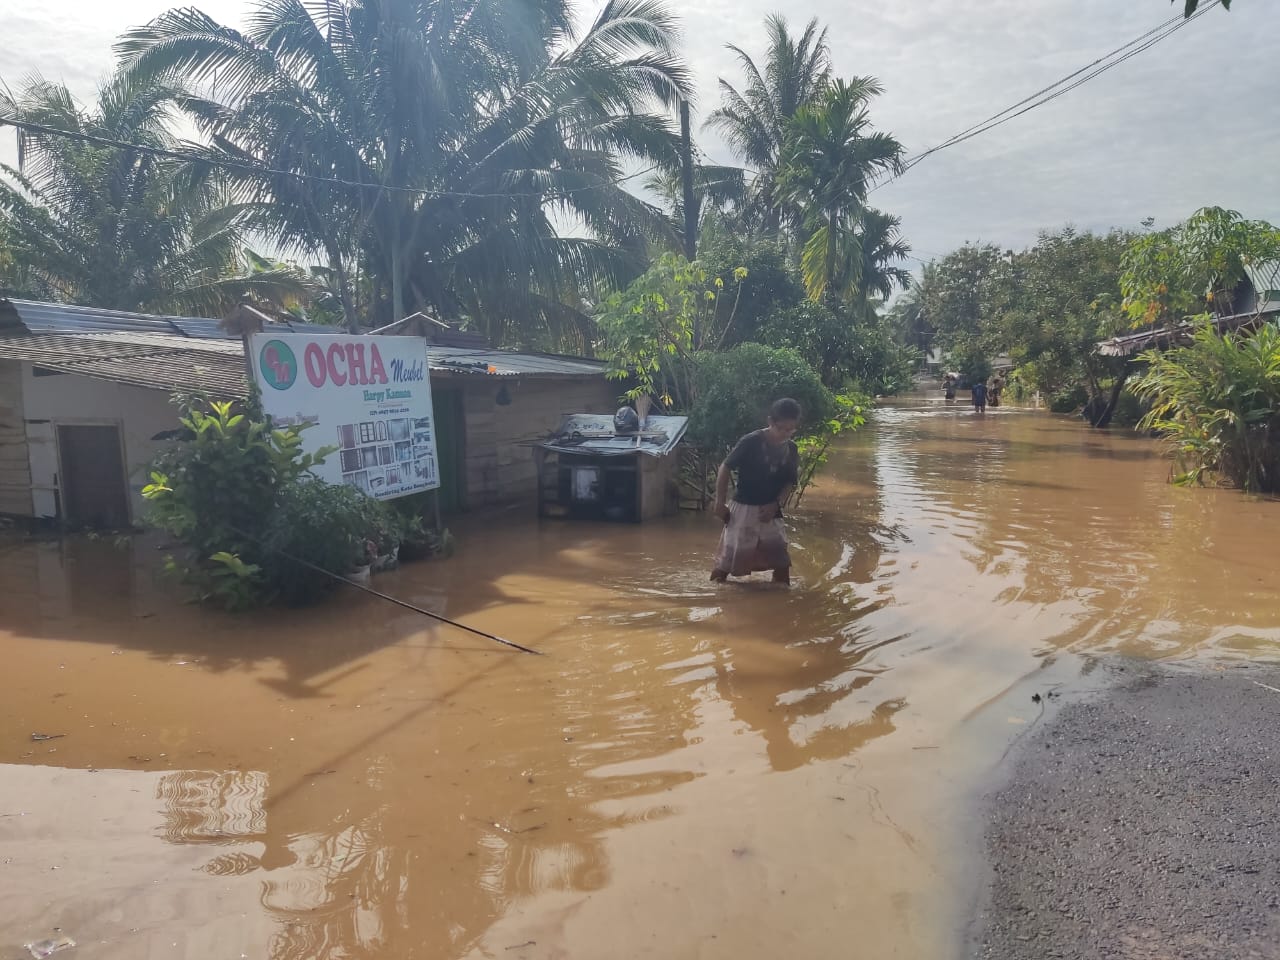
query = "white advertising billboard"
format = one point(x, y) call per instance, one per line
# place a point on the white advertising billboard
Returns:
point(368, 396)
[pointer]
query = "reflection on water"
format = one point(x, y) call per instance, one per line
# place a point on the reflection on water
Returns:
point(691, 771)
point(205, 807)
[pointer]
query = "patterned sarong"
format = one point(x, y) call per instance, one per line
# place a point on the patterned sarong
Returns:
point(750, 543)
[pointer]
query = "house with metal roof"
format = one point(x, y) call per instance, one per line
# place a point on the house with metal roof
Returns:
point(1256, 300)
point(86, 403)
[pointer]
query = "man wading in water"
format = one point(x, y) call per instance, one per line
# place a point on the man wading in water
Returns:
point(767, 463)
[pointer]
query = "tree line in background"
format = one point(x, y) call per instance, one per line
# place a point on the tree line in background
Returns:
point(1210, 382)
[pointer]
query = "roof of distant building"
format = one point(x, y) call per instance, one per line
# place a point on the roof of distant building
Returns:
point(153, 360)
point(1177, 334)
point(38, 317)
point(196, 354)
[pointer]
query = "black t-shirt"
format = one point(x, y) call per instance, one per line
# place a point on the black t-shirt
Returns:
point(764, 468)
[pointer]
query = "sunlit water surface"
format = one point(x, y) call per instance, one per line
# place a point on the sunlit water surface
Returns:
point(689, 772)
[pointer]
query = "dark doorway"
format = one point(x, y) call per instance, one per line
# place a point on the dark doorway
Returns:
point(94, 492)
point(446, 407)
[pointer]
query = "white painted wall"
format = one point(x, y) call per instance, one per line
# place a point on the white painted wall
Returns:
point(139, 413)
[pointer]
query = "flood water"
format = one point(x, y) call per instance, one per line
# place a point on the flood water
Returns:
point(689, 772)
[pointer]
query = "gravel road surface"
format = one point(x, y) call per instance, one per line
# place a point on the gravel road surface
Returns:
point(1142, 823)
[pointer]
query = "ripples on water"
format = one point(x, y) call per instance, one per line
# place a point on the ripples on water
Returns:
point(941, 557)
point(205, 807)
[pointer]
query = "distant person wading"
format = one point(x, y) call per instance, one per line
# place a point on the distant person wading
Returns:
point(980, 396)
point(767, 464)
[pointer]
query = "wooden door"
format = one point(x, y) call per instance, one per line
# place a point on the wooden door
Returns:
point(446, 407)
point(92, 481)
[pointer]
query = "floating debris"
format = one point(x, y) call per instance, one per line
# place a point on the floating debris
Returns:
point(47, 948)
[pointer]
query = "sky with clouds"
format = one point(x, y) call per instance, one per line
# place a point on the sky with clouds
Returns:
point(1191, 122)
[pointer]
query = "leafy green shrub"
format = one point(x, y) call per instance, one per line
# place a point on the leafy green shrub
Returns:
point(1129, 410)
point(1217, 401)
point(768, 287)
point(845, 350)
point(411, 514)
point(654, 329)
point(971, 360)
point(1068, 400)
point(737, 387)
point(240, 496)
point(328, 525)
point(216, 490)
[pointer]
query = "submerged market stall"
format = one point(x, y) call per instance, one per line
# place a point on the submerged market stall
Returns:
point(590, 470)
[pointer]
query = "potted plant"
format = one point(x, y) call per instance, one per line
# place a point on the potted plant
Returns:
point(383, 530)
point(362, 563)
point(415, 540)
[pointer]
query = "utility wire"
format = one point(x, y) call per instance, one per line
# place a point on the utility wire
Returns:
point(1059, 88)
point(1057, 83)
point(1038, 99)
point(191, 156)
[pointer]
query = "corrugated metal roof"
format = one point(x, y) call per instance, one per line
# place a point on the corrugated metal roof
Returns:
point(155, 361)
point(200, 329)
point(65, 335)
point(503, 364)
point(1265, 278)
point(39, 317)
point(66, 318)
point(182, 372)
point(145, 358)
point(1180, 334)
point(593, 434)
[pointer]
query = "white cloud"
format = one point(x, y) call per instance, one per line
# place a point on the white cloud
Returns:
point(1187, 123)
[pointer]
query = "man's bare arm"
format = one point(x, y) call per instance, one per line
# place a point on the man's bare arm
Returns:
point(721, 508)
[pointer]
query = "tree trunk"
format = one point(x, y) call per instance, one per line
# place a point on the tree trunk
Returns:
point(831, 252)
point(1100, 417)
point(686, 177)
point(350, 318)
point(397, 270)
point(772, 222)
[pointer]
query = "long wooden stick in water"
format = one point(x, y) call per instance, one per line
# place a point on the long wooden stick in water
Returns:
point(409, 606)
point(396, 600)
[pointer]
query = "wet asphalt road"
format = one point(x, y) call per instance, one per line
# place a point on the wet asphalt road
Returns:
point(1142, 824)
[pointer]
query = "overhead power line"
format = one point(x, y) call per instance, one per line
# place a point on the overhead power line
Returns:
point(1038, 99)
point(227, 163)
point(1060, 87)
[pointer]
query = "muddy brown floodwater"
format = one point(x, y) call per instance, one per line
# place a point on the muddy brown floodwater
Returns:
point(689, 772)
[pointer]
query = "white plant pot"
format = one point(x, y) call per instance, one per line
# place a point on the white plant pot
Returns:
point(387, 561)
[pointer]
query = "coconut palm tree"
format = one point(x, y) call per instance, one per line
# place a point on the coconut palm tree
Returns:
point(720, 193)
point(122, 228)
point(831, 158)
point(755, 120)
point(908, 318)
point(881, 250)
point(458, 133)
